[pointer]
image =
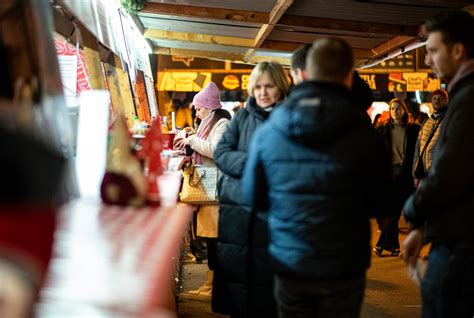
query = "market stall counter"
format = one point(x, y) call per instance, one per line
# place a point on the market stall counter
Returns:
point(112, 261)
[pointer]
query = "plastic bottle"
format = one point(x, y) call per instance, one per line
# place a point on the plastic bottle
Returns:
point(164, 125)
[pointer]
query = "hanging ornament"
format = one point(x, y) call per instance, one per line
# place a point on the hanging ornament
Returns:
point(123, 183)
point(151, 152)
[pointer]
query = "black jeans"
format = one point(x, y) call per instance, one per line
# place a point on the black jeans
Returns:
point(447, 289)
point(197, 245)
point(388, 239)
point(211, 252)
point(402, 189)
point(331, 298)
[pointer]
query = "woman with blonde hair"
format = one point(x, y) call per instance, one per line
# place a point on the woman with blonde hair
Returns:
point(243, 283)
point(400, 137)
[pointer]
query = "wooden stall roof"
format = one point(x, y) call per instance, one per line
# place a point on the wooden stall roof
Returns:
point(252, 30)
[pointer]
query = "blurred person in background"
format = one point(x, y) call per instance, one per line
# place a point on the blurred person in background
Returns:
point(400, 137)
point(243, 284)
point(214, 121)
point(428, 135)
point(298, 71)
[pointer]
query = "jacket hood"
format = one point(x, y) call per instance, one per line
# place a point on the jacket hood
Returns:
point(317, 112)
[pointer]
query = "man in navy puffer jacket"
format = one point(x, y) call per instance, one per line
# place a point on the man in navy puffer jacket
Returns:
point(321, 171)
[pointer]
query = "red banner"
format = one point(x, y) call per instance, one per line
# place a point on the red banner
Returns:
point(65, 48)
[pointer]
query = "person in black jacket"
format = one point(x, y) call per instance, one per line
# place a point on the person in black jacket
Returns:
point(400, 137)
point(243, 279)
point(321, 170)
point(442, 209)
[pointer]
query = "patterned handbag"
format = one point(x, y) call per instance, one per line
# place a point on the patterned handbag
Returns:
point(199, 185)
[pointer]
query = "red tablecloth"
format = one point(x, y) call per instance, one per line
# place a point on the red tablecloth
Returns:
point(111, 261)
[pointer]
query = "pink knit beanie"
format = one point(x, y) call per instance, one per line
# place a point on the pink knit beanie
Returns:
point(209, 97)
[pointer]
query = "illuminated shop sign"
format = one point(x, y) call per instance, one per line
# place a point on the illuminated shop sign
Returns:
point(183, 81)
point(195, 81)
point(401, 81)
point(411, 82)
point(231, 82)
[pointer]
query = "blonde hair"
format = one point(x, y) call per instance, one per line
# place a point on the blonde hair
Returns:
point(276, 72)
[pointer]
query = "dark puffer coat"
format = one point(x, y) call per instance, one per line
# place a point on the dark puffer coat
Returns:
point(444, 203)
point(243, 282)
point(321, 170)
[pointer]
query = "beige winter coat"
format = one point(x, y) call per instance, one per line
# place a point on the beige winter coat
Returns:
point(208, 215)
point(425, 132)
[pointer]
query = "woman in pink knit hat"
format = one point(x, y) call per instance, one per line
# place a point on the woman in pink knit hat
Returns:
point(214, 121)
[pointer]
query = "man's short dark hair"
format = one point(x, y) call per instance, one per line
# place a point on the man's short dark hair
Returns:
point(298, 58)
point(455, 27)
point(329, 60)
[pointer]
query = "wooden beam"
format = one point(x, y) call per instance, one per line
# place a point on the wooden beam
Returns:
point(199, 38)
point(291, 46)
point(205, 54)
point(282, 60)
point(63, 24)
point(391, 45)
point(469, 8)
point(216, 71)
point(347, 25)
point(280, 45)
point(248, 55)
point(276, 13)
point(138, 22)
point(8, 6)
point(204, 12)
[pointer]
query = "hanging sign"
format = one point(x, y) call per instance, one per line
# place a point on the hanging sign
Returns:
point(67, 54)
point(411, 82)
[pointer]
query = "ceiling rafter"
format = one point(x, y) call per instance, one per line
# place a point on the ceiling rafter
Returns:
point(218, 55)
point(297, 29)
point(396, 42)
point(197, 37)
point(291, 46)
point(261, 58)
point(346, 25)
point(276, 13)
point(416, 4)
point(205, 12)
point(196, 53)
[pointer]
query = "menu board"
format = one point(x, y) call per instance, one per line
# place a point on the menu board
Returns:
point(183, 81)
point(376, 82)
point(195, 81)
point(411, 82)
point(72, 63)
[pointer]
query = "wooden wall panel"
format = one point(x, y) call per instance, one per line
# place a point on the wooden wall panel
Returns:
point(91, 51)
point(143, 109)
point(120, 93)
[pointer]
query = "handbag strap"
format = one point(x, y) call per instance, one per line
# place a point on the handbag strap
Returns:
point(433, 131)
point(191, 169)
point(191, 177)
